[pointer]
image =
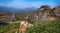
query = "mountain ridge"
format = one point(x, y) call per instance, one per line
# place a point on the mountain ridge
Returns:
point(16, 9)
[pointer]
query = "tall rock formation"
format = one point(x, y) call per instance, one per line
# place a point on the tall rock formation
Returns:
point(41, 14)
point(56, 11)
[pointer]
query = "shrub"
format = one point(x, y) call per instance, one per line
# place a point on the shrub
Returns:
point(45, 27)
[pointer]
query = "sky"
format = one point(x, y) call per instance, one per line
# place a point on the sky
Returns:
point(29, 3)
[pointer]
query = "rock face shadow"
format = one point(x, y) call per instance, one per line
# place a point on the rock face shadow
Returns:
point(3, 23)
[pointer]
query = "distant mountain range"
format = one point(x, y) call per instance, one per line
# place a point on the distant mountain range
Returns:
point(17, 9)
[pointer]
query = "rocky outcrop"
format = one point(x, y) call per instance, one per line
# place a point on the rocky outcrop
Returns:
point(45, 13)
point(6, 16)
point(56, 11)
point(41, 14)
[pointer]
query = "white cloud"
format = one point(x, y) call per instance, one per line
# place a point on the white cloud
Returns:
point(2, 4)
point(22, 4)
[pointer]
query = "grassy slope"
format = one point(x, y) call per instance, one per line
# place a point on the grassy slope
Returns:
point(9, 28)
point(46, 27)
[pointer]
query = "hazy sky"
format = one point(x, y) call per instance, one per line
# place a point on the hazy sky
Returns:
point(29, 3)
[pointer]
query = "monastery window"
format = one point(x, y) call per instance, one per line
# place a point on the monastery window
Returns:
point(58, 12)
